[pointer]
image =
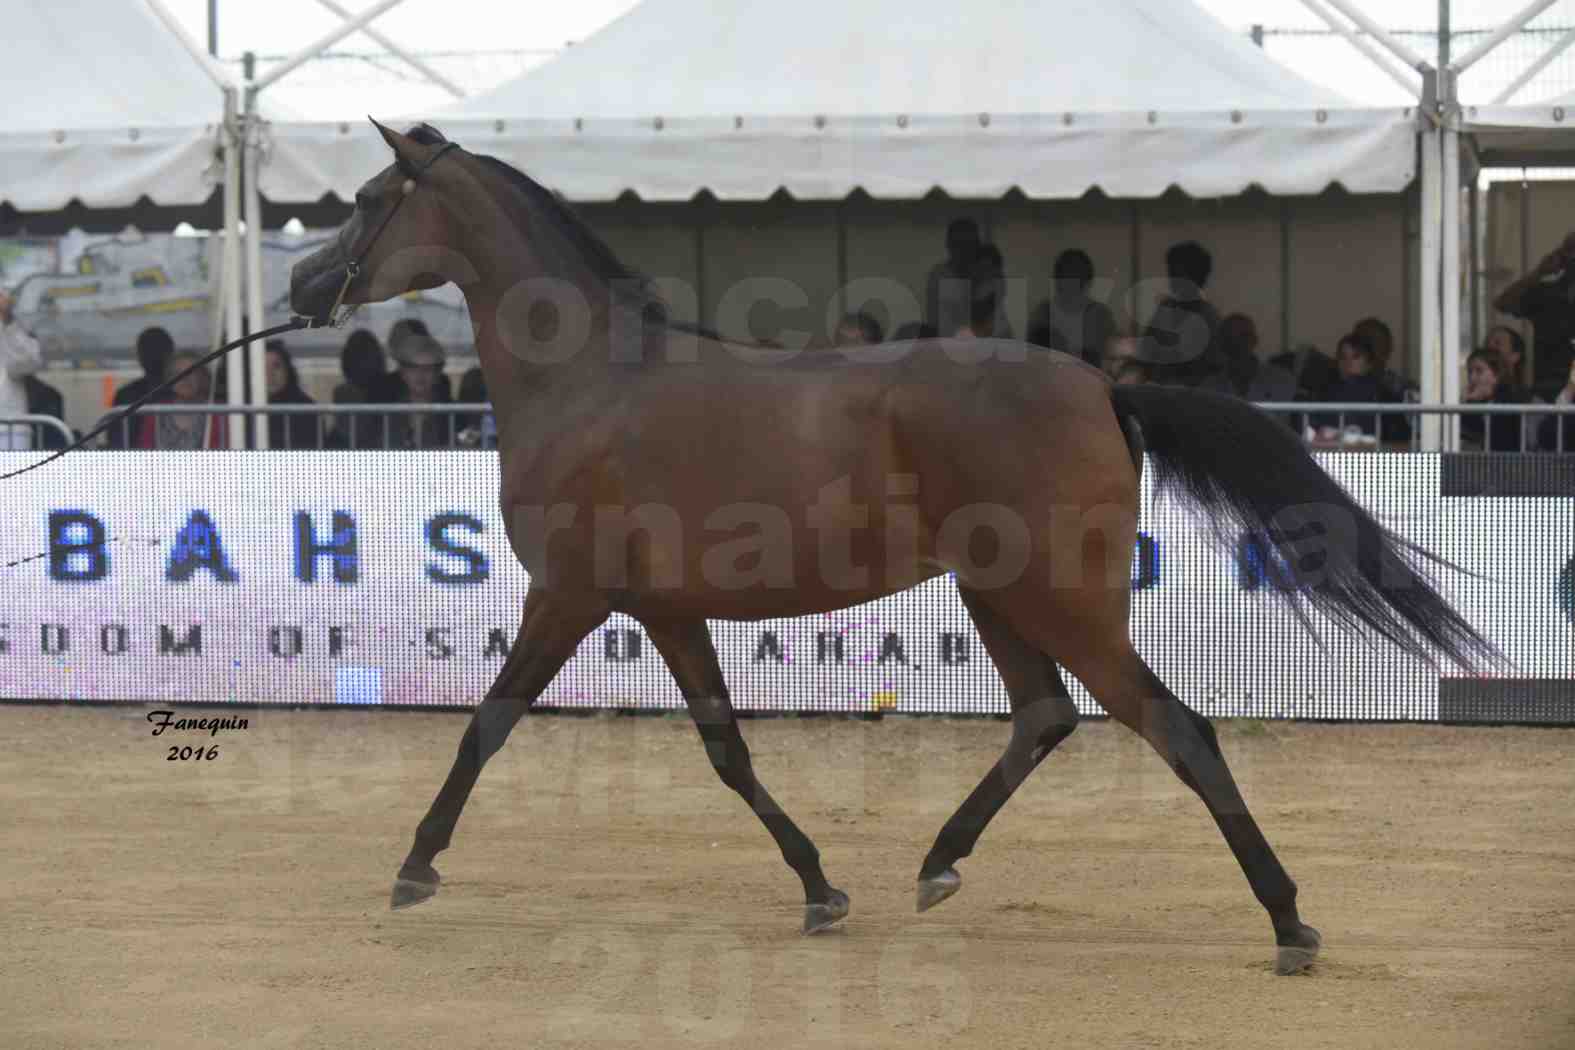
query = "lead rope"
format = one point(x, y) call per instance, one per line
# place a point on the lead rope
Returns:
point(294, 324)
point(352, 271)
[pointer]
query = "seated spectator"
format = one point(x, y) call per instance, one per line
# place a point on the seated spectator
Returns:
point(45, 400)
point(367, 382)
point(476, 431)
point(1244, 375)
point(1394, 387)
point(154, 347)
point(1486, 384)
point(1181, 341)
point(949, 286)
point(420, 359)
point(1359, 383)
point(987, 298)
point(1313, 370)
point(404, 328)
point(284, 388)
point(1510, 346)
point(174, 431)
point(858, 329)
point(20, 357)
point(1557, 433)
point(1068, 319)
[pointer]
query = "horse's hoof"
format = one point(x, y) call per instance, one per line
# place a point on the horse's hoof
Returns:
point(933, 891)
point(820, 916)
point(1297, 956)
point(414, 885)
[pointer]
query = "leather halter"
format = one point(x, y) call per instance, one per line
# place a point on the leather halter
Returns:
point(353, 267)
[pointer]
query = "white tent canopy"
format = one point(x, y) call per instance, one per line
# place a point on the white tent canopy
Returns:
point(136, 115)
point(1536, 136)
point(899, 97)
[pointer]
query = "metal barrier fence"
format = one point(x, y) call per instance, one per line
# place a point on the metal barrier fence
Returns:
point(463, 425)
point(26, 432)
point(1339, 426)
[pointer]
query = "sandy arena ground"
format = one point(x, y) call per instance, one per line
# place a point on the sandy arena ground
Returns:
point(605, 890)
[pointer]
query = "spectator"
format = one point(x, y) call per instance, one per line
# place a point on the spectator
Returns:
point(1557, 432)
point(1546, 298)
point(20, 357)
point(1359, 383)
point(367, 382)
point(45, 400)
point(183, 430)
point(1510, 346)
point(858, 329)
point(154, 347)
point(1181, 340)
point(1244, 375)
point(949, 286)
point(421, 360)
point(1487, 384)
point(1315, 373)
point(1069, 320)
point(284, 388)
point(476, 431)
point(987, 297)
point(1394, 389)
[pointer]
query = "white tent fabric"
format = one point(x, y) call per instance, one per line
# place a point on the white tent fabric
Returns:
point(1535, 136)
point(899, 97)
point(102, 105)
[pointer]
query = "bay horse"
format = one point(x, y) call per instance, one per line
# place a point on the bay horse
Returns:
point(826, 480)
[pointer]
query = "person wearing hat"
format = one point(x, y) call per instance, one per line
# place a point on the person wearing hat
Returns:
point(420, 359)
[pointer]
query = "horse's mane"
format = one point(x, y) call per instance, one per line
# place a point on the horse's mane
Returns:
point(631, 287)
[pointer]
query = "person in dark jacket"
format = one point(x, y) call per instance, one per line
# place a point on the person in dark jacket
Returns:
point(1489, 382)
point(1362, 382)
point(45, 400)
point(367, 382)
point(284, 388)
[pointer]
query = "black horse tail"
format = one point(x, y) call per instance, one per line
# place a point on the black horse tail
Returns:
point(1250, 473)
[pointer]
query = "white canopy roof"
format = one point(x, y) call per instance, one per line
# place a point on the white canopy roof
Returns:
point(898, 97)
point(1536, 136)
point(104, 105)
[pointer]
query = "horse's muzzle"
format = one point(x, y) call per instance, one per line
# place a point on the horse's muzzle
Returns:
point(315, 282)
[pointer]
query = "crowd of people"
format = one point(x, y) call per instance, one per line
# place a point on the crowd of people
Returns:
point(1185, 342)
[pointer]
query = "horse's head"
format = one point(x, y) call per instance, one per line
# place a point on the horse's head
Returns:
point(402, 237)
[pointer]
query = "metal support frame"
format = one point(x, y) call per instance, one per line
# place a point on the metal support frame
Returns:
point(1546, 59)
point(1449, 334)
point(1497, 37)
point(1377, 32)
point(324, 42)
point(256, 357)
point(1399, 76)
point(230, 299)
point(411, 60)
point(1428, 276)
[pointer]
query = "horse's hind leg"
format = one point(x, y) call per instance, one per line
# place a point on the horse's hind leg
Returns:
point(550, 630)
point(687, 648)
point(1043, 715)
point(1126, 687)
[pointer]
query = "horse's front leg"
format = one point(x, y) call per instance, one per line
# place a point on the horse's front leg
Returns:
point(687, 648)
point(550, 630)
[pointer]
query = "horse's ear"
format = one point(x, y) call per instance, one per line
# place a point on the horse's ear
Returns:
point(407, 150)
